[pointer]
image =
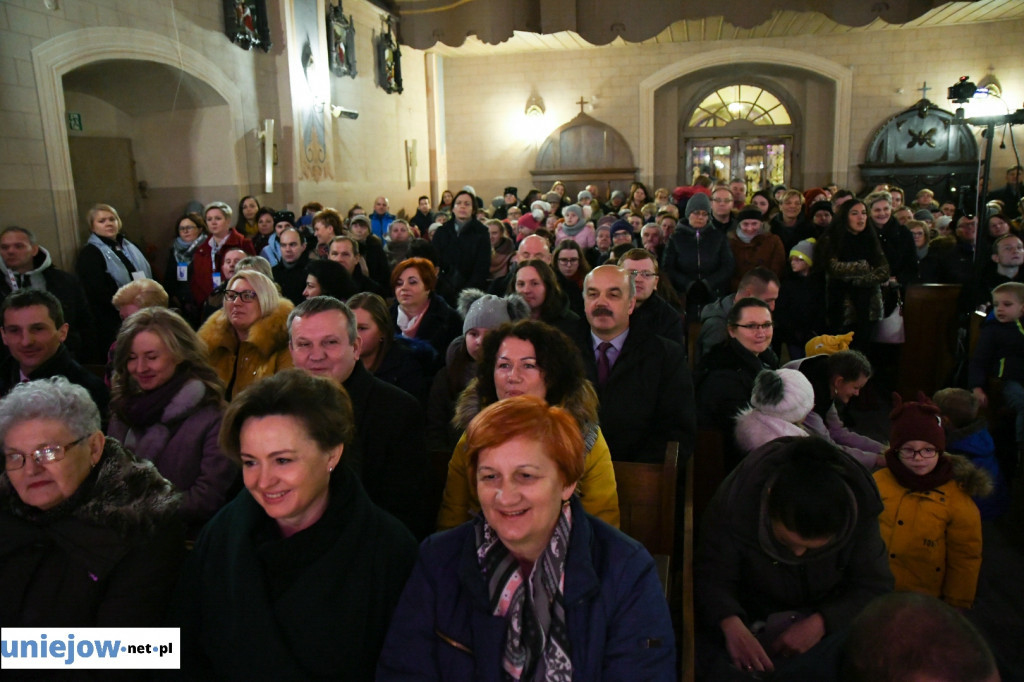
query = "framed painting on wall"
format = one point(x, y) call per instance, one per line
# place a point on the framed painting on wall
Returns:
point(341, 41)
point(389, 59)
point(245, 23)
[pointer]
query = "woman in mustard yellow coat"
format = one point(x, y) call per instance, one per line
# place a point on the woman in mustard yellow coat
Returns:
point(247, 339)
point(930, 524)
point(529, 357)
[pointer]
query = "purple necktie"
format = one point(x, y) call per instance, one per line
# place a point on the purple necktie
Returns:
point(603, 366)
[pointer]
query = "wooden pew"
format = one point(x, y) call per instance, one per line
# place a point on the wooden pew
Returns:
point(930, 316)
point(647, 503)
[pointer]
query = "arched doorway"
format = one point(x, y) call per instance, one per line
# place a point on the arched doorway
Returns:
point(63, 55)
point(821, 143)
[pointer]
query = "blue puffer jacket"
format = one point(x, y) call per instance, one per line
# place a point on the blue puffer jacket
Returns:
point(975, 442)
point(616, 615)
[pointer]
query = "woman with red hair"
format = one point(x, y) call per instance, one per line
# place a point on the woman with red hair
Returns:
point(533, 587)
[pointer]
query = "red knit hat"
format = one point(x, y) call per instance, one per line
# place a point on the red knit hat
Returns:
point(919, 420)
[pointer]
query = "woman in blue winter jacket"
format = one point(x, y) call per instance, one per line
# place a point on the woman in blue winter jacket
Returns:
point(534, 587)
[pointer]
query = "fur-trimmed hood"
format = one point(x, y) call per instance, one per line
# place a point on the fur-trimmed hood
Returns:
point(972, 479)
point(121, 493)
point(268, 334)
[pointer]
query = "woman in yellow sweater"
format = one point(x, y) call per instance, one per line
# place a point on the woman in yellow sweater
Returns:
point(529, 357)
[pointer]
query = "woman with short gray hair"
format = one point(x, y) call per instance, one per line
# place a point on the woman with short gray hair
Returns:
point(88, 534)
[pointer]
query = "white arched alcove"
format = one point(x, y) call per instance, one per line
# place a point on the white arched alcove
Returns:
point(65, 53)
point(840, 75)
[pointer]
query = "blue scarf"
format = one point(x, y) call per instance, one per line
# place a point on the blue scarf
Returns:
point(115, 267)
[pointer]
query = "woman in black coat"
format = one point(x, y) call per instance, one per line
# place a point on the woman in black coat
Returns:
point(855, 268)
point(189, 234)
point(464, 246)
point(297, 577)
point(725, 375)
point(89, 535)
point(106, 263)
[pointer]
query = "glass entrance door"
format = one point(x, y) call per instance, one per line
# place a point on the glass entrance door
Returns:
point(761, 161)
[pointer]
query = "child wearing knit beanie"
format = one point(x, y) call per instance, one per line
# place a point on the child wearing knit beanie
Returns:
point(930, 524)
point(778, 404)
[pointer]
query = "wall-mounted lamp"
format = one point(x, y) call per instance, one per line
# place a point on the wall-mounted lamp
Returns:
point(535, 106)
point(269, 153)
point(337, 111)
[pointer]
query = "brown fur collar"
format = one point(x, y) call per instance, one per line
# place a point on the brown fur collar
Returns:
point(269, 334)
point(122, 492)
point(972, 479)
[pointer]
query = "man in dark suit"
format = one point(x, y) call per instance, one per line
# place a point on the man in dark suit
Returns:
point(642, 379)
point(388, 452)
point(34, 331)
point(290, 273)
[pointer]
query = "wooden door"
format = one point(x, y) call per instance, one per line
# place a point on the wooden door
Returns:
point(103, 169)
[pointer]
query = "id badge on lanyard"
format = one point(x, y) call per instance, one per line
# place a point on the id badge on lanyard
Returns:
point(182, 272)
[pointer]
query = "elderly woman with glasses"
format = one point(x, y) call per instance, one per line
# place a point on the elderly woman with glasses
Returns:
point(248, 339)
point(533, 588)
point(89, 535)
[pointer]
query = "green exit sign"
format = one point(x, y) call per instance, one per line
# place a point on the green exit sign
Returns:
point(74, 121)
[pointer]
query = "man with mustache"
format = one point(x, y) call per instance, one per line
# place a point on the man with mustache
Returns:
point(642, 380)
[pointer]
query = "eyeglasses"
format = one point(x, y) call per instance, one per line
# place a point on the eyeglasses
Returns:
point(754, 326)
point(247, 296)
point(44, 455)
point(642, 274)
point(910, 453)
point(187, 228)
point(722, 200)
point(568, 261)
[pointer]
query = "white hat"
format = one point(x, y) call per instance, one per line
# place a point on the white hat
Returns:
point(783, 393)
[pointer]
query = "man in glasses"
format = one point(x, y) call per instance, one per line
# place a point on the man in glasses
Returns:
point(652, 312)
point(34, 331)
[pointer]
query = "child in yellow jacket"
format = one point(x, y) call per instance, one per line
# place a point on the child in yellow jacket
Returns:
point(930, 524)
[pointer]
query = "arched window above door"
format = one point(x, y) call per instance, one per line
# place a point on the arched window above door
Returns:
point(739, 102)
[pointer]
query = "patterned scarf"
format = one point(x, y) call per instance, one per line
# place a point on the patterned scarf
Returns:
point(536, 641)
point(183, 250)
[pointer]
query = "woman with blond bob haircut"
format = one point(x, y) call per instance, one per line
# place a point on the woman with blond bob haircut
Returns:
point(138, 294)
point(107, 262)
point(533, 587)
point(166, 407)
point(248, 338)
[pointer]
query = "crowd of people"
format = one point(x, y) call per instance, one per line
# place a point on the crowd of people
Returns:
point(251, 446)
